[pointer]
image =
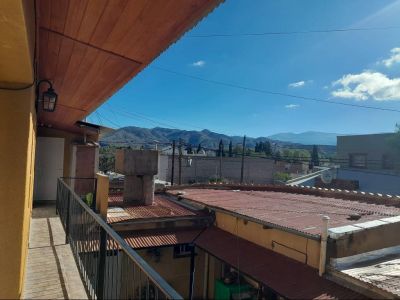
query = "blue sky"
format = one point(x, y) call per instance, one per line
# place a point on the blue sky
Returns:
point(357, 67)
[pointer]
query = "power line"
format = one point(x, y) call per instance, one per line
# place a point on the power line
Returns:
point(281, 94)
point(272, 33)
point(140, 115)
point(107, 119)
point(99, 118)
point(137, 116)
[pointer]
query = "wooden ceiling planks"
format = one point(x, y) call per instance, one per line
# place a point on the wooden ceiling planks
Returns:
point(58, 13)
point(91, 48)
point(121, 29)
point(161, 28)
point(75, 14)
point(110, 17)
point(93, 13)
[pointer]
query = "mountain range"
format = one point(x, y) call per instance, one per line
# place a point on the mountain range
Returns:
point(209, 139)
point(307, 138)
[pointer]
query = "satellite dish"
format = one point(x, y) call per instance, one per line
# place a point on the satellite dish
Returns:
point(327, 177)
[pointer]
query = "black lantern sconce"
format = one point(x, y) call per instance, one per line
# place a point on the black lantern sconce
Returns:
point(48, 98)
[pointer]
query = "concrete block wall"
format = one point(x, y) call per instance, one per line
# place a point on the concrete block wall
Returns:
point(202, 169)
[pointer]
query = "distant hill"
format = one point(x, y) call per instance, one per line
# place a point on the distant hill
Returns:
point(307, 138)
point(137, 135)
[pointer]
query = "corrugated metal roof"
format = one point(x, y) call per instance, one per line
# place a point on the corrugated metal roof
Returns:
point(299, 212)
point(159, 238)
point(287, 277)
point(162, 208)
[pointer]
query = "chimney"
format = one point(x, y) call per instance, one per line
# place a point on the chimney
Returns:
point(139, 168)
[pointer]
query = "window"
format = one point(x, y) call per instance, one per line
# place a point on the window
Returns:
point(358, 160)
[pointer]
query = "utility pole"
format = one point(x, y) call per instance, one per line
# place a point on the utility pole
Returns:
point(242, 168)
point(173, 163)
point(220, 163)
point(180, 162)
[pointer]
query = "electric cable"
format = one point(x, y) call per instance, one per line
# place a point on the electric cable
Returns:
point(280, 94)
point(272, 33)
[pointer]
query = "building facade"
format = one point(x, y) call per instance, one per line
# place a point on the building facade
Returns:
point(369, 151)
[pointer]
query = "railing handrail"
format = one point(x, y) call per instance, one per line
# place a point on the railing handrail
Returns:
point(77, 177)
point(143, 265)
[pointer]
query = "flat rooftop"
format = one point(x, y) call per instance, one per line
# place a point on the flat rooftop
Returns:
point(289, 210)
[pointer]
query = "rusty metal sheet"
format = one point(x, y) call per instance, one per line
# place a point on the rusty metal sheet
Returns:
point(162, 208)
point(138, 240)
point(298, 212)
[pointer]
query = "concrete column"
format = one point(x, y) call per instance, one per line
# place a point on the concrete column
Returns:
point(133, 189)
point(139, 168)
point(148, 189)
point(139, 189)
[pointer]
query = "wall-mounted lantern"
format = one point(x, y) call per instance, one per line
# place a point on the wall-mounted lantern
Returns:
point(189, 162)
point(48, 98)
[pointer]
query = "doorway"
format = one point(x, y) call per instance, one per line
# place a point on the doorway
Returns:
point(49, 166)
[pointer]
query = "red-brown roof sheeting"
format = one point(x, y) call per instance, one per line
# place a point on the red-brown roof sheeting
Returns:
point(300, 212)
point(162, 208)
point(158, 238)
point(287, 277)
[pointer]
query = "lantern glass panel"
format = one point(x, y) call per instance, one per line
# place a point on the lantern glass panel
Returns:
point(49, 100)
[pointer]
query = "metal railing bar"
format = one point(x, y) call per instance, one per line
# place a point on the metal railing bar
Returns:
point(142, 264)
point(77, 177)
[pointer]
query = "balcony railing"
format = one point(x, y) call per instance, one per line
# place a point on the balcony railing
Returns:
point(109, 268)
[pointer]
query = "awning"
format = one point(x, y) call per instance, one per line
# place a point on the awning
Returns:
point(287, 277)
point(157, 238)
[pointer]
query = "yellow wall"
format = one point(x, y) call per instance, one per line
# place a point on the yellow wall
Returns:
point(294, 246)
point(102, 190)
point(176, 270)
point(17, 39)
point(17, 146)
point(17, 141)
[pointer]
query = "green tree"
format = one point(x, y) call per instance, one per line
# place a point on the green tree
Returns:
point(296, 154)
point(267, 148)
point(189, 149)
point(230, 151)
point(220, 151)
point(286, 154)
point(107, 158)
point(199, 148)
point(395, 140)
point(237, 150)
point(277, 155)
point(315, 156)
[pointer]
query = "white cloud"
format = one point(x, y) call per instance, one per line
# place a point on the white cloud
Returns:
point(297, 84)
point(292, 106)
point(300, 84)
point(198, 64)
point(393, 59)
point(368, 84)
